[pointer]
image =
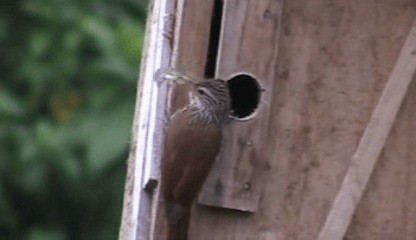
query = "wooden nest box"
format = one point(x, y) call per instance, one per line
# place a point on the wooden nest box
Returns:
point(324, 142)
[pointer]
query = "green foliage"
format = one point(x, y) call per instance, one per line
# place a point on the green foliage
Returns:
point(67, 92)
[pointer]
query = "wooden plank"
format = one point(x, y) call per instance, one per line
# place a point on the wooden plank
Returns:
point(371, 143)
point(190, 45)
point(145, 151)
point(391, 190)
point(250, 32)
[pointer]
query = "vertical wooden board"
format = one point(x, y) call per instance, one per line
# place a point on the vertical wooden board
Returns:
point(387, 210)
point(190, 41)
point(143, 167)
point(248, 44)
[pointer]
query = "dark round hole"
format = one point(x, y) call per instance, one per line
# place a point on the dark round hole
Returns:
point(245, 95)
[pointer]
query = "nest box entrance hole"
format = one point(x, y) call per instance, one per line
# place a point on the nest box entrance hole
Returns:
point(245, 94)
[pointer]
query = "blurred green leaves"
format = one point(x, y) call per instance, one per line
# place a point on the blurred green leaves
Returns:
point(67, 92)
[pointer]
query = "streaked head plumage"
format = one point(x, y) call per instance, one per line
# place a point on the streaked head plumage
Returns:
point(211, 100)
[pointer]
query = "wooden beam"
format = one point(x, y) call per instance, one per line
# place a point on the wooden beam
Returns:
point(371, 143)
point(145, 151)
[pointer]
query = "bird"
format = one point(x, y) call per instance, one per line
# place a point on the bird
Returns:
point(193, 140)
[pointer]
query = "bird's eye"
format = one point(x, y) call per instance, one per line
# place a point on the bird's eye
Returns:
point(200, 91)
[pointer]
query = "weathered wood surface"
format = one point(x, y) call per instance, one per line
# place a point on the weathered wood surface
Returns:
point(372, 142)
point(191, 46)
point(148, 128)
point(387, 210)
point(333, 61)
point(249, 43)
point(329, 67)
point(191, 37)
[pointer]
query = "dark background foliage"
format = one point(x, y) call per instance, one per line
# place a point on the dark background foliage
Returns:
point(67, 92)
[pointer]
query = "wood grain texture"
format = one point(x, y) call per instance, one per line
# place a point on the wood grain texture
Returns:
point(371, 143)
point(191, 44)
point(148, 127)
point(386, 210)
point(327, 68)
point(249, 44)
point(333, 61)
point(190, 47)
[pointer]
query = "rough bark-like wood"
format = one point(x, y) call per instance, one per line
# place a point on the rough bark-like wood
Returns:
point(371, 143)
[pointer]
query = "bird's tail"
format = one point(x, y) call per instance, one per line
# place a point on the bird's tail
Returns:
point(179, 230)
